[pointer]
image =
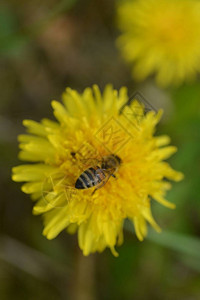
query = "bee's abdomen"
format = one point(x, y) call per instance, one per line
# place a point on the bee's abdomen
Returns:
point(88, 178)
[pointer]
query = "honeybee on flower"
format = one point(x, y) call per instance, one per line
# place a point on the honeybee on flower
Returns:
point(94, 125)
point(98, 175)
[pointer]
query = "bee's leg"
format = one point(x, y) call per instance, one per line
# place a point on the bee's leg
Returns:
point(93, 192)
point(100, 186)
point(114, 176)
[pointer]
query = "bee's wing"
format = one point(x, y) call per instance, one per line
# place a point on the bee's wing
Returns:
point(92, 161)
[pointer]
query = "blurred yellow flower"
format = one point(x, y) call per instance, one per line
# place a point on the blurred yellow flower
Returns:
point(91, 126)
point(161, 38)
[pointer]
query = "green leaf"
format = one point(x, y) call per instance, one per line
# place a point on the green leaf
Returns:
point(185, 244)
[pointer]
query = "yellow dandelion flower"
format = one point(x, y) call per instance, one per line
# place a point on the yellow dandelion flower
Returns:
point(92, 127)
point(161, 38)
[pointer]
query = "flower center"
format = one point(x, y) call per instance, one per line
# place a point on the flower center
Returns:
point(174, 28)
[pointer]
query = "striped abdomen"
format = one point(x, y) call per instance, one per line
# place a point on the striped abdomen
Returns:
point(89, 178)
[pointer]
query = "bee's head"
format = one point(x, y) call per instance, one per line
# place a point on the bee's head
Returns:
point(111, 161)
point(117, 158)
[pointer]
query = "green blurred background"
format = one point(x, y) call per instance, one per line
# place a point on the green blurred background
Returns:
point(44, 47)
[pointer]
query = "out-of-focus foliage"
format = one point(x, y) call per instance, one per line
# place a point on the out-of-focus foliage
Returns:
point(46, 46)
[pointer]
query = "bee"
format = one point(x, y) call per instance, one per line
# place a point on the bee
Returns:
point(98, 175)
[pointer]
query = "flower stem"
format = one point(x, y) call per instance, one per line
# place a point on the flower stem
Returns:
point(83, 287)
